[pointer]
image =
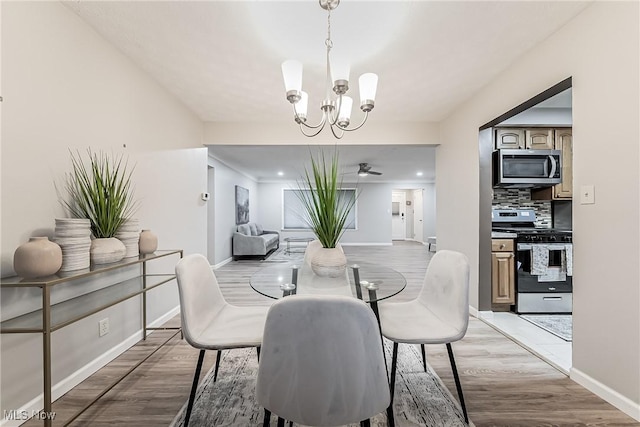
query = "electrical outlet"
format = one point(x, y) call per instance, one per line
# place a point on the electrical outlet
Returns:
point(104, 327)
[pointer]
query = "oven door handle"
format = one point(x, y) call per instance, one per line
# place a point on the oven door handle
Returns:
point(554, 166)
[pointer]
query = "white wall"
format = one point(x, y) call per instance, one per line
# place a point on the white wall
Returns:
point(373, 210)
point(599, 49)
point(65, 88)
point(224, 199)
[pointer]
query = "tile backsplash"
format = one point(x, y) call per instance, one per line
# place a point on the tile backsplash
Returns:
point(519, 198)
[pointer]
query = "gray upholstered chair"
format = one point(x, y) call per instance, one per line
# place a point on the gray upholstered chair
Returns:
point(208, 321)
point(322, 362)
point(439, 315)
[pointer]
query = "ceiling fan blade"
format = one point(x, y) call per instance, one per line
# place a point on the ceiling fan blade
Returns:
point(374, 173)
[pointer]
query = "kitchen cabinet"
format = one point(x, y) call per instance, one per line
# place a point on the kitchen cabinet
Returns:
point(539, 139)
point(509, 139)
point(563, 191)
point(502, 271)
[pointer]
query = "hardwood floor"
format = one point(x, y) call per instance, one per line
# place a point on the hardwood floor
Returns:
point(504, 384)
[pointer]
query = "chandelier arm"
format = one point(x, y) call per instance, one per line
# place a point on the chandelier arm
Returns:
point(303, 122)
point(336, 135)
point(333, 118)
point(366, 115)
point(312, 134)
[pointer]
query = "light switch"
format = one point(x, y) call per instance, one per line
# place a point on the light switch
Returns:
point(587, 196)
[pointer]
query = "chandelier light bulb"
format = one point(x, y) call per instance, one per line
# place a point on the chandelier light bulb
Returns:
point(292, 75)
point(368, 85)
point(301, 107)
point(344, 115)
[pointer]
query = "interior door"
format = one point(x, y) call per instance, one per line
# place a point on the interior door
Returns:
point(418, 230)
point(398, 211)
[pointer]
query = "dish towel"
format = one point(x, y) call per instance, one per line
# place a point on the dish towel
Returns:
point(568, 259)
point(539, 259)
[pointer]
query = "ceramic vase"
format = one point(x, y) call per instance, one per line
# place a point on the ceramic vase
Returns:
point(129, 234)
point(328, 262)
point(74, 237)
point(106, 250)
point(148, 242)
point(37, 258)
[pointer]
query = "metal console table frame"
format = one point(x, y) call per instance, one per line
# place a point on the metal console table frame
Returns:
point(113, 294)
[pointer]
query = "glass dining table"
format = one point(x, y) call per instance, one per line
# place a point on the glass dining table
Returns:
point(368, 282)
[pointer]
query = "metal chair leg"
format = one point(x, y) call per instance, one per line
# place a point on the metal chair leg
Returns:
point(392, 385)
point(194, 387)
point(267, 418)
point(280, 422)
point(365, 423)
point(258, 351)
point(424, 357)
point(457, 379)
point(215, 372)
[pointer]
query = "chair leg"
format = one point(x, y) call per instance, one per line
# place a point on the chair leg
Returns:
point(215, 372)
point(258, 351)
point(424, 357)
point(457, 379)
point(392, 385)
point(267, 418)
point(280, 422)
point(365, 423)
point(194, 387)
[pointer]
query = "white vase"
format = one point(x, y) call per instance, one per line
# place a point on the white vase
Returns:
point(107, 250)
point(328, 262)
point(37, 258)
point(148, 242)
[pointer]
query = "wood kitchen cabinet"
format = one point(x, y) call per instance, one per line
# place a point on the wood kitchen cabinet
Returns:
point(509, 139)
point(539, 139)
point(564, 190)
point(502, 271)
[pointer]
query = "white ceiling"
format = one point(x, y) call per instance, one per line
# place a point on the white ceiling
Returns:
point(398, 163)
point(222, 58)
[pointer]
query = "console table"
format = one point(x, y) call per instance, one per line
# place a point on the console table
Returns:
point(52, 317)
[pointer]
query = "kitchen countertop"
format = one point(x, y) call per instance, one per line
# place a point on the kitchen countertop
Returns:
point(503, 235)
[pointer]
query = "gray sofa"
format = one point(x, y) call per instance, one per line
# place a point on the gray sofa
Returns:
point(250, 240)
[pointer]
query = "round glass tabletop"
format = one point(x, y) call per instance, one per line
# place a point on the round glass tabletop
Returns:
point(376, 282)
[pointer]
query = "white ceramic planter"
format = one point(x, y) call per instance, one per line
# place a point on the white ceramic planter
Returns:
point(328, 262)
point(37, 258)
point(107, 250)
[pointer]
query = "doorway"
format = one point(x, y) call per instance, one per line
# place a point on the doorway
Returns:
point(398, 215)
point(211, 171)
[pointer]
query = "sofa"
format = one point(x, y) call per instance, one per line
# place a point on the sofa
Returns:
point(250, 240)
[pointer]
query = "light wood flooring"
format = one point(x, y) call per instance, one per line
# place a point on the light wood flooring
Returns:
point(504, 384)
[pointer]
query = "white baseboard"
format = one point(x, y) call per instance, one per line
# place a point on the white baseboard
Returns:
point(621, 402)
point(220, 264)
point(65, 385)
point(367, 244)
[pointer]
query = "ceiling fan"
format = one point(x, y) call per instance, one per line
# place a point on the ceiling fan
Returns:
point(365, 170)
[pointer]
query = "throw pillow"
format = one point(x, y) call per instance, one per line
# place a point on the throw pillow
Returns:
point(259, 229)
point(254, 230)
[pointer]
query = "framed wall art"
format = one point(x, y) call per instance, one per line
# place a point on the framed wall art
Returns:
point(242, 205)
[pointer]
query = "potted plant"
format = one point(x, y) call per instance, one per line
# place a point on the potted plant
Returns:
point(101, 192)
point(325, 209)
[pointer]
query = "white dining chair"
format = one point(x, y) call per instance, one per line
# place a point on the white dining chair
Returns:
point(322, 362)
point(439, 315)
point(208, 321)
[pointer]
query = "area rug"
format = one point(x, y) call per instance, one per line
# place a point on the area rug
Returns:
point(420, 397)
point(280, 255)
point(560, 325)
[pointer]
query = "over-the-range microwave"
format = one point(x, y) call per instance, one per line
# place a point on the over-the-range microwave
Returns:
point(526, 168)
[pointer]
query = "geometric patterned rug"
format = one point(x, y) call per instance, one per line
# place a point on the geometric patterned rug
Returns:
point(560, 325)
point(420, 397)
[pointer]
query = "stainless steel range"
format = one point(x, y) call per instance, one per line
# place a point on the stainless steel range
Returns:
point(544, 262)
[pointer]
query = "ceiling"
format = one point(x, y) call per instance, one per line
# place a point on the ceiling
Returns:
point(222, 58)
point(398, 163)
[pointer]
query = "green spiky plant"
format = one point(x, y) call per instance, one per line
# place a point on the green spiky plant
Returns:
point(325, 207)
point(100, 191)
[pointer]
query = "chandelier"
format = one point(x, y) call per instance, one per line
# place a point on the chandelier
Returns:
point(336, 109)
